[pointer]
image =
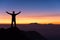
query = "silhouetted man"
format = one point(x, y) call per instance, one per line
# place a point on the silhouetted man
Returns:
point(13, 17)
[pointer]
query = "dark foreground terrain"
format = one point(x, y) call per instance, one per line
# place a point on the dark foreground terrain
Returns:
point(13, 33)
point(48, 31)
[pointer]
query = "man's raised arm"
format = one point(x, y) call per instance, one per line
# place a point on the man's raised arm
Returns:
point(18, 13)
point(8, 12)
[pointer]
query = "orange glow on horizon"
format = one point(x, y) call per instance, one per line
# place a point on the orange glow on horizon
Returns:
point(27, 20)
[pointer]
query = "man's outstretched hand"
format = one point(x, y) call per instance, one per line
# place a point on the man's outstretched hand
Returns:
point(6, 11)
point(18, 13)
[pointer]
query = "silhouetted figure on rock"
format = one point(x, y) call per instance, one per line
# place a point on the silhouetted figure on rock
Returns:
point(13, 14)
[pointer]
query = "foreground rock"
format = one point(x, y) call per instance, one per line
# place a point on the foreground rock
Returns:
point(16, 34)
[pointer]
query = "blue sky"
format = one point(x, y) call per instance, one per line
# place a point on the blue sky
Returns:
point(46, 7)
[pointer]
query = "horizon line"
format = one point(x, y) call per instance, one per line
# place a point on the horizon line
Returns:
point(29, 23)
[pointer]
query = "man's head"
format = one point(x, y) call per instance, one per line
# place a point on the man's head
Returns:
point(13, 12)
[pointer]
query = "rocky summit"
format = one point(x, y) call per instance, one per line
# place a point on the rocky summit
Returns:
point(14, 33)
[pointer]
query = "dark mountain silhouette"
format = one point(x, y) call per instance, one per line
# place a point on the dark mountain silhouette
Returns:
point(34, 23)
point(14, 33)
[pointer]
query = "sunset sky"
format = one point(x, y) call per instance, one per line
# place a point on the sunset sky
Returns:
point(33, 11)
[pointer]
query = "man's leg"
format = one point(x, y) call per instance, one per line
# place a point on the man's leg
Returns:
point(12, 23)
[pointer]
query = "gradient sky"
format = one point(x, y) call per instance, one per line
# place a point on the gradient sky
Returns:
point(40, 11)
